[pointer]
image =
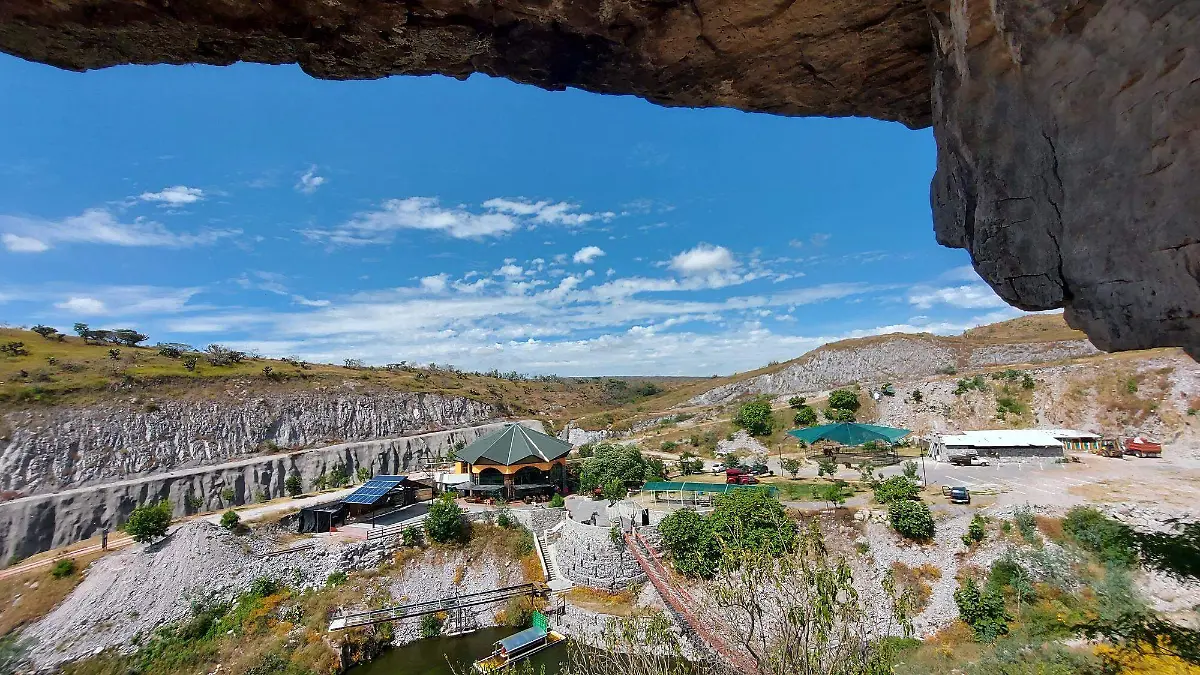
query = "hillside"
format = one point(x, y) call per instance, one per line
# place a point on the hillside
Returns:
point(1030, 339)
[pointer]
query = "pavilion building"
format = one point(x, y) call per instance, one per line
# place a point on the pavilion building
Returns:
point(513, 462)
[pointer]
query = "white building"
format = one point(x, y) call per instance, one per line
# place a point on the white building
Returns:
point(1014, 444)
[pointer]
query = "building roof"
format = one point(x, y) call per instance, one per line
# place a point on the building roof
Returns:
point(1003, 438)
point(522, 640)
point(1072, 435)
point(374, 490)
point(514, 444)
point(850, 433)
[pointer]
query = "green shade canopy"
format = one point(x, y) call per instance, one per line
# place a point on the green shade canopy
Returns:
point(849, 433)
point(514, 444)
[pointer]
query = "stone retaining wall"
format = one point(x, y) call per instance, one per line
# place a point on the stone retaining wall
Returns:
point(588, 556)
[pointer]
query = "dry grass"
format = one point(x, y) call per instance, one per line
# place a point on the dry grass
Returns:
point(28, 597)
point(1051, 527)
point(917, 580)
point(603, 602)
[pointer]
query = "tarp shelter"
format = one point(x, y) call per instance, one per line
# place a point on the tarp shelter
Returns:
point(694, 492)
point(850, 433)
point(321, 518)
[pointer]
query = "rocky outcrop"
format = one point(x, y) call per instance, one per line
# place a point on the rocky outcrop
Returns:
point(893, 357)
point(1068, 150)
point(45, 448)
point(1066, 129)
point(41, 522)
point(855, 57)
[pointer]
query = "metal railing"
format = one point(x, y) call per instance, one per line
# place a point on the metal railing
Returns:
point(449, 604)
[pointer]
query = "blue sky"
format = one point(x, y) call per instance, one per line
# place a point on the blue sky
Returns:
point(481, 223)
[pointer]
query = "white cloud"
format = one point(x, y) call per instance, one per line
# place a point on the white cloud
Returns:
point(964, 273)
point(309, 181)
point(81, 305)
point(177, 195)
point(968, 296)
point(301, 300)
point(587, 254)
point(97, 226)
point(546, 212)
point(703, 259)
point(511, 271)
point(435, 283)
point(19, 244)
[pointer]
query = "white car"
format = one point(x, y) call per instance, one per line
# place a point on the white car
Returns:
point(980, 461)
point(718, 468)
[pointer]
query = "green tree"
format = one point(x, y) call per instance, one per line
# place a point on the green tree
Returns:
point(976, 531)
point(689, 463)
point(791, 465)
point(844, 399)
point(806, 416)
point(363, 474)
point(751, 517)
point(431, 626)
point(910, 470)
point(833, 493)
point(410, 536)
point(982, 610)
point(230, 519)
point(149, 522)
point(615, 490)
point(339, 476)
point(755, 417)
point(190, 361)
point(688, 538)
point(63, 568)
point(128, 337)
point(911, 519)
point(557, 501)
point(446, 522)
point(321, 482)
point(896, 488)
point(839, 415)
point(826, 467)
point(82, 329)
point(46, 332)
point(796, 402)
point(293, 485)
point(610, 461)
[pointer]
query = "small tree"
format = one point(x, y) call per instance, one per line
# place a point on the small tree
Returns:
point(805, 416)
point(832, 493)
point(363, 474)
point(983, 610)
point(917, 396)
point(339, 476)
point(410, 536)
point(796, 402)
point(896, 488)
point(114, 354)
point(46, 332)
point(293, 485)
point(844, 399)
point(839, 415)
point(445, 523)
point(911, 519)
point(791, 465)
point(755, 418)
point(615, 490)
point(62, 569)
point(172, 350)
point(826, 467)
point(431, 626)
point(321, 482)
point(976, 531)
point(190, 361)
point(149, 522)
point(128, 337)
point(910, 470)
point(557, 501)
point(230, 520)
point(82, 329)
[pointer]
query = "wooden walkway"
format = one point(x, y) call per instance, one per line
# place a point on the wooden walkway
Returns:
point(683, 604)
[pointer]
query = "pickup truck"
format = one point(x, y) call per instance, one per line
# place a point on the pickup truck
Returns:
point(739, 477)
point(969, 460)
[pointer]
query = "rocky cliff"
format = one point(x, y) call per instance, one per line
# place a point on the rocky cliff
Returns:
point(52, 448)
point(890, 357)
point(1066, 129)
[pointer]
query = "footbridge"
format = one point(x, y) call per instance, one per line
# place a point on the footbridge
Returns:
point(684, 605)
point(448, 605)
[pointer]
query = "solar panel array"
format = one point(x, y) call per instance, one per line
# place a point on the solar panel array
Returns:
point(374, 489)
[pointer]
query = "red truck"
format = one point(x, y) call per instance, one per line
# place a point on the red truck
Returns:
point(739, 477)
point(1142, 447)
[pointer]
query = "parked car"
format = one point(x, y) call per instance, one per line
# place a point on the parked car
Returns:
point(980, 461)
point(718, 468)
point(962, 460)
point(739, 477)
point(957, 495)
point(761, 469)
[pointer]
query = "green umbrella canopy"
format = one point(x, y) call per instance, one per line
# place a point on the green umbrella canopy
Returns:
point(512, 445)
point(849, 433)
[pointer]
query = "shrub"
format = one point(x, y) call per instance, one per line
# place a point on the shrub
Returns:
point(1111, 541)
point(227, 495)
point(293, 485)
point(363, 474)
point(839, 415)
point(557, 501)
point(615, 490)
point(504, 517)
point(445, 523)
point(917, 396)
point(983, 611)
point(431, 626)
point(1026, 523)
point(339, 476)
point(14, 348)
point(45, 331)
point(1009, 405)
point(669, 446)
point(149, 522)
point(796, 402)
point(976, 531)
point(114, 354)
point(833, 493)
point(688, 538)
point(190, 361)
point(896, 488)
point(967, 384)
point(910, 470)
point(262, 587)
point(1027, 382)
point(63, 568)
point(410, 536)
point(230, 519)
point(755, 417)
point(844, 399)
point(805, 416)
point(335, 579)
point(911, 519)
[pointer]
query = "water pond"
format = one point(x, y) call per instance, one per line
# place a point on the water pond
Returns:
point(435, 656)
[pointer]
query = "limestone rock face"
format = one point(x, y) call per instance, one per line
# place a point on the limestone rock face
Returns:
point(1068, 157)
point(850, 57)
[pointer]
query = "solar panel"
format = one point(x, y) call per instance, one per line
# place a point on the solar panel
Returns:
point(374, 489)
